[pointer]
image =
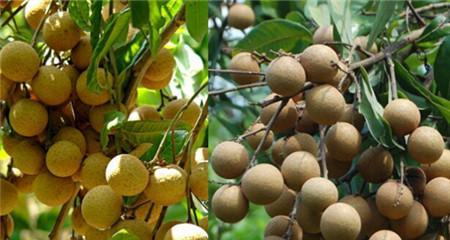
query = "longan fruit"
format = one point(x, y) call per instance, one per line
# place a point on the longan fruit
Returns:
point(305, 124)
point(229, 159)
point(341, 73)
point(143, 113)
point(35, 11)
point(255, 139)
point(97, 115)
point(385, 235)
point(318, 61)
point(8, 197)
point(285, 120)
point(92, 140)
point(273, 238)
point(416, 180)
point(425, 145)
point(101, 207)
point(285, 76)
point(105, 79)
point(300, 142)
point(340, 221)
point(318, 193)
point(96, 234)
point(298, 167)
point(81, 54)
point(141, 212)
point(279, 225)
point(377, 221)
point(9, 226)
point(127, 175)
point(6, 86)
point(28, 157)
point(93, 170)
point(343, 141)
point(308, 219)
point(160, 71)
point(141, 149)
point(12, 4)
point(198, 181)
point(137, 227)
point(394, 200)
point(336, 168)
point(73, 135)
point(24, 183)
point(51, 86)
point(28, 118)
point(362, 42)
point(283, 205)
point(323, 34)
point(262, 184)
point(186, 231)
point(164, 228)
point(436, 197)
point(19, 62)
point(203, 223)
point(229, 204)
point(352, 116)
point(200, 155)
point(440, 168)
point(73, 75)
point(63, 158)
point(402, 115)
point(189, 116)
point(167, 185)
point(79, 225)
point(60, 32)
point(363, 209)
point(10, 142)
point(414, 224)
point(376, 164)
point(244, 61)
point(432, 236)
point(241, 16)
point(277, 151)
point(52, 190)
point(325, 104)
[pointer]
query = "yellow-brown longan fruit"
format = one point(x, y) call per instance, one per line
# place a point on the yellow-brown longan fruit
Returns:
point(362, 42)
point(24, 183)
point(376, 165)
point(105, 79)
point(244, 61)
point(127, 175)
point(73, 135)
point(8, 197)
point(305, 124)
point(51, 190)
point(325, 104)
point(402, 115)
point(73, 75)
point(144, 113)
point(10, 142)
point(298, 167)
point(318, 193)
point(19, 62)
point(340, 75)
point(96, 234)
point(414, 224)
point(97, 115)
point(241, 16)
point(279, 225)
point(92, 140)
point(81, 53)
point(343, 141)
point(377, 221)
point(363, 209)
point(436, 197)
point(198, 181)
point(6, 86)
point(283, 205)
point(425, 145)
point(323, 34)
point(340, 221)
point(137, 227)
point(255, 139)
point(9, 226)
point(352, 116)
point(200, 155)
point(186, 231)
point(308, 219)
point(35, 11)
point(285, 76)
point(189, 116)
point(262, 184)
point(318, 61)
point(93, 170)
point(60, 32)
point(165, 227)
point(385, 235)
point(51, 85)
point(203, 223)
point(440, 168)
point(167, 185)
point(141, 212)
point(101, 207)
point(28, 118)
point(229, 204)
point(160, 71)
point(394, 200)
point(229, 159)
point(277, 151)
point(28, 157)
point(300, 142)
point(79, 225)
point(63, 158)
point(286, 119)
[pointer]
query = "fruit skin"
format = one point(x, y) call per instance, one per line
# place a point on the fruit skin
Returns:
point(73, 135)
point(73, 75)
point(93, 98)
point(363, 209)
point(376, 164)
point(436, 197)
point(229, 159)
point(101, 207)
point(92, 140)
point(255, 139)
point(286, 119)
point(279, 225)
point(186, 231)
point(325, 104)
point(340, 221)
point(52, 190)
point(60, 32)
point(9, 226)
point(385, 235)
point(189, 116)
point(402, 115)
point(362, 42)
point(160, 71)
point(8, 197)
point(81, 54)
point(298, 168)
point(63, 158)
point(198, 181)
point(283, 205)
point(141, 212)
point(377, 221)
point(318, 193)
point(300, 142)
point(165, 227)
point(127, 175)
point(440, 168)
point(241, 16)
point(336, 168)
point(95, 234)
point(285, 76)
point(78, 223)
point(352, 116)
point(414, 224)
point(262, 184)
point(28, 118)
point(277, 151)
point(425, 145)
point(323, 34)
point(139, 228)
point(308, 219)
point(5, 87)
point(93, 170)
point(305, 124)
point(167, 185)
point(24, 183)
point(144, 113)
point(343, 141)
point(244, 61)
point(229, 204)
point(340, 75)
point(35, 11)
point(97, 115)
point(51, 85)
point(19, 62)
point(394, 200)
point(317, 60)
point(28, 157)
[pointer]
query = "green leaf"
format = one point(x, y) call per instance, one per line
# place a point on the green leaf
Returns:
point(319, 12)
point(128, 54)
point(433, 30)
point(442, 67)
point(173, 144)
point(79, 11)
point(113, 120)
point(124, 235)
point(139, 14)
point(96, 21)
point(156, 22)
point(138, 132)
point(275, 35)
point(385, 11)
point(197, 18)
point(341, 15)
point(296, 16)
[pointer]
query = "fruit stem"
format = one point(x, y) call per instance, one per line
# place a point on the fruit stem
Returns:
point(392, 77)
point(245, 86)
point(41, 24)
point(62, 214)
point(323, 160)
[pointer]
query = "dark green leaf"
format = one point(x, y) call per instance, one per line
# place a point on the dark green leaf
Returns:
point(197, 18)
point(79, 11)
point(124, 235)
point(442, 68)
point(96, 21)
point(113, 120)
point(433, 30)
point(138, 132)
point(385, 11)
point(173, 144)
point(128, 54)
point(297, 17)
point(139, 14)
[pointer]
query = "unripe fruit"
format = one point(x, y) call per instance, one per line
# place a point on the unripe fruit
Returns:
point(255, 139)
point(300, 142)
point(101, 207)
point(362, 42)
point(440, 168)
point(352, 116)
point(298, 167)
point(28, 157)
point(285, 120)
point(105, 79)
point(402, 115)
point(19, 62)
point(308, 219)
point(283, 205)
point(323, 34)
point(305, 124)
point(244, 61)
point(385, 235)
point(277, 151)
point(28, 118)
point(51, 86)
point(60, 32)
point(436, 197)
point(127, 175)
point(35, 11)
point(73, 135)
point(376, 165)
point(95, 234)
point(160, 71)
point(340, 221)
point(52, 190)
point(229, 159)
point(318, 193)
point(165, 227)
point(81, 54)
point(241, 16)
point(363, 209)
point(139, 228)
point(414, 224)
point(325, 104)
point(144, 113)
point(186, 231)
point(9, 224)
point(6, 86)
point(394, 200)
point(97, 115)
point(198, 181)
point(229, 204)
point(285, 76)
point(279, 225)
point(377, 221)
point(189, 116)
point(262, 184)
point(318, 61)
point(8, 197)
point(343, 141)
point(93, 170)
point(63, 159)
point(425, 145)
point(24, 183)
point(79, 225)
point(167, 185)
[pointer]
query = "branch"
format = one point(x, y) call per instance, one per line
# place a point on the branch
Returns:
point(432, 6)
point(245, 86)
point(289, 232)
point(62, 214)
point(235, 72)
point(251, 133)
point(392, 77)
point(14, 13)
point(415, 13)
point(280, 98)
point(323, 159)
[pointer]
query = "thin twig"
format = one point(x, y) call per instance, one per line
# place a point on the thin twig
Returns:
point(62, 214)
point(415, 13)
point(278, 98)
point(41, 24)
point(240, 72)
point(14, 13)
point(322, 151)
point(392, 77)
point(250, 133)
point(292, 216)
point(160, 220)
point(240, 87)
point(432, 6)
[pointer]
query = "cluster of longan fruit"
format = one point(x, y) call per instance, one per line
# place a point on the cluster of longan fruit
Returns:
point(294, 190)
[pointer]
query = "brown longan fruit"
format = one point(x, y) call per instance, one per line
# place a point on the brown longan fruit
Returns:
point(51, 86)
point(340, 221)
point(425, 145)
point(305, 124)
point(101, 207)
point(28, 157)
point(300, 142)
point(262, 184)
point(229, 204)
point(385, 235)
point(283, 205)
point(336, 168)
point(414, 224)
point(285, 120)
point(278, 226)
point(318, 193)
point(6, 86)
point(160, 71)
point(79, 225)
point(241, 16)
point(394, 200)
point(340, 75)
point(285, 76)
point(105, 79)
point(363, 209)
point(436, 197)
point(377, 221)
point(325, 104)
point(63, 158)
point(416, 180)
point(35, 11)
point(60, 32)
point(24, 183)
point(440, 168)
point(167, 185)
point(244, 61)
point(298, 167)
point(229, 159)
point(318, 61)
point(52, 190)
point(362, 42)
point(19, 62)
point(8, 197)
point(189, 116)
point(127, 175)
point(376, 164)
point(143, 113)
point(323, 34)
point(352, 116)
point(277, 151)
point(198, 181)
point(73, 135)
point(9, 223)
point(402, 115)
point(186, 231)
point(28, 118)
point(308, 219)
point(273, 238)
point(255, 139)
point(81, 54)
point(137, 227)
point(343, 141)
point(93, 170)
point(92, 140)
